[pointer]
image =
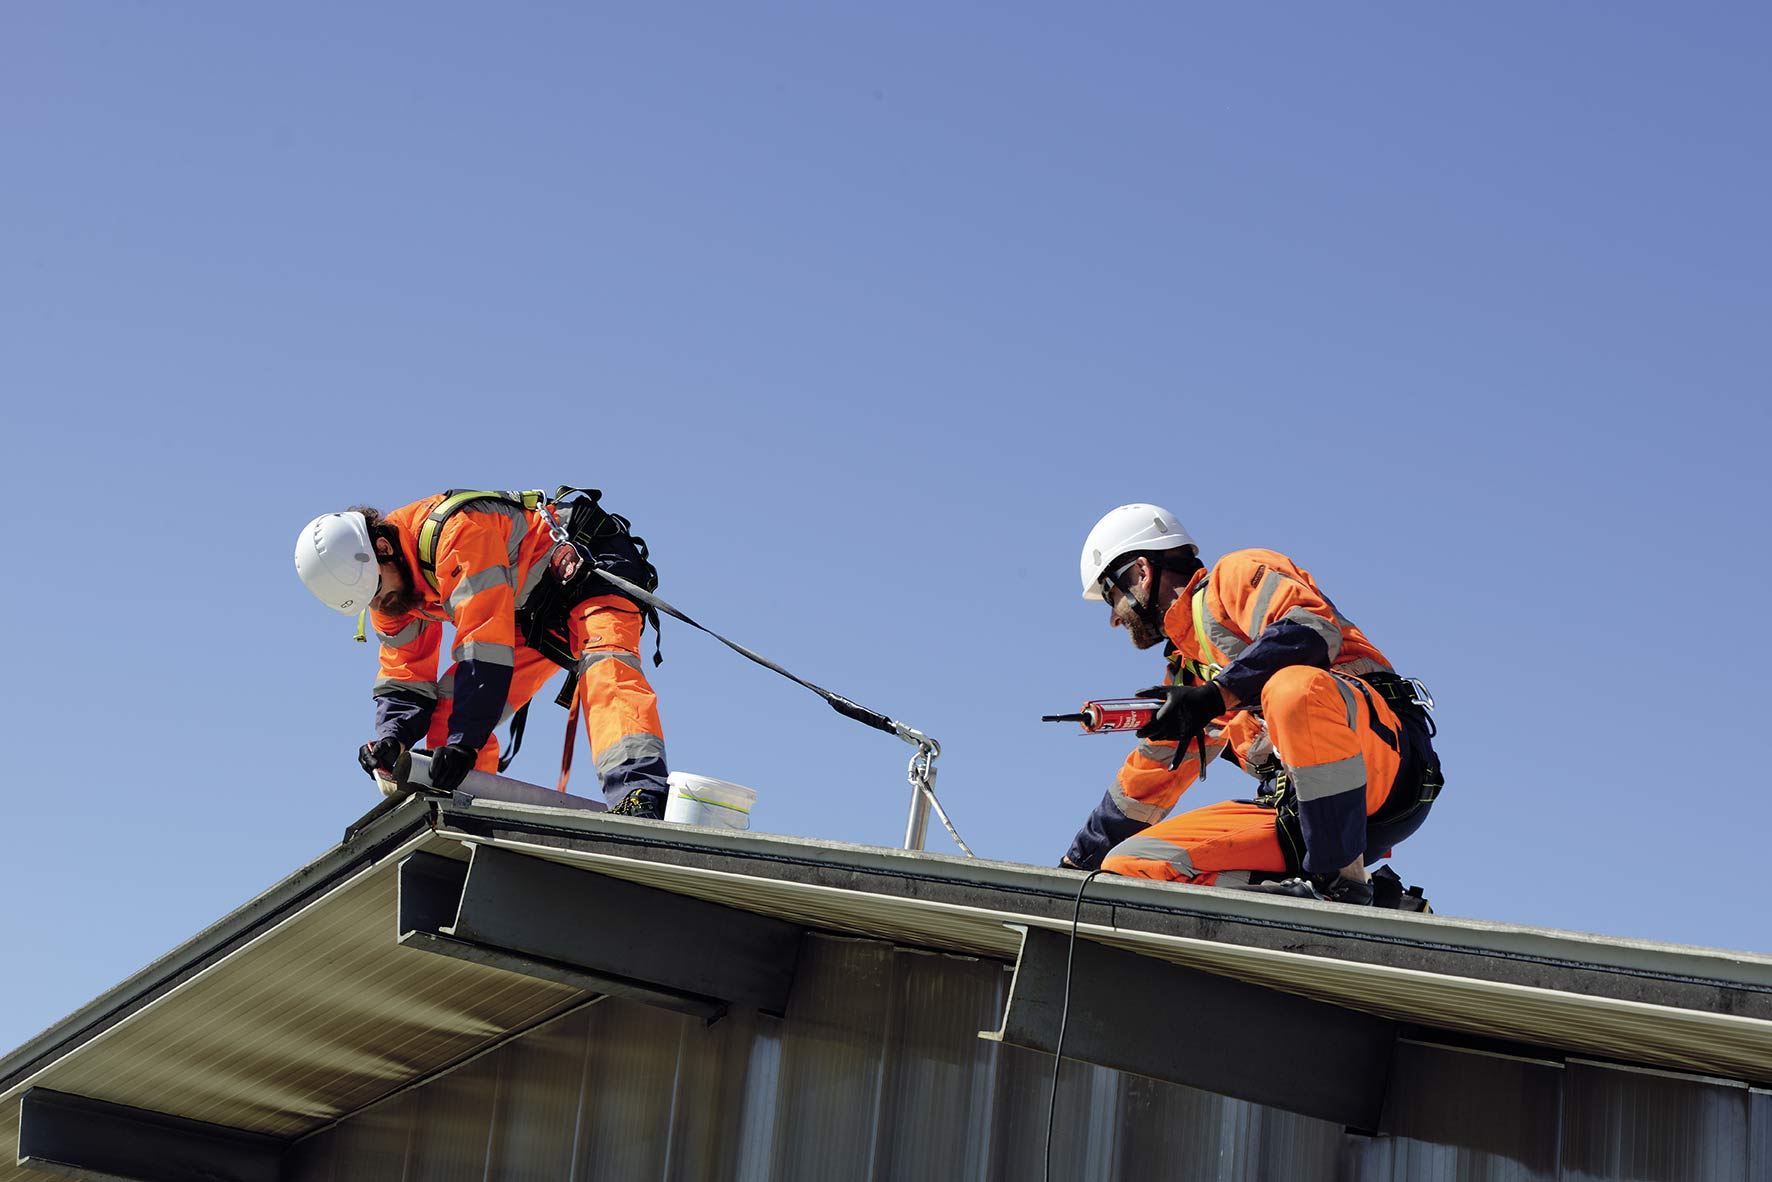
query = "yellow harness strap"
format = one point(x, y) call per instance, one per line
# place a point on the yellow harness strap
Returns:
point(1211, 668)
point(432, 529)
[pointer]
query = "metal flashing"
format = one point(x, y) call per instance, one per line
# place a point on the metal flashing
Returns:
point(604, 935)
point(1680, 1038)
point(365, 843)
point(79, 1137)
point(1617, 966)
point(300, 1008)
point(1245, 1041)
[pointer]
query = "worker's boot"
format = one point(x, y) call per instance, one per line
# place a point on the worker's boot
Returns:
point(1328, 888)
point(1388, 891)
point(644, 803)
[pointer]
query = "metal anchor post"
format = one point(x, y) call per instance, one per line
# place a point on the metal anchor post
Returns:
point(921, 774)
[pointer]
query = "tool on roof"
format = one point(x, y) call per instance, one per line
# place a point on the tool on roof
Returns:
point(921, 772)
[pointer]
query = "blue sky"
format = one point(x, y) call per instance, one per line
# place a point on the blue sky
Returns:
point(864, 314)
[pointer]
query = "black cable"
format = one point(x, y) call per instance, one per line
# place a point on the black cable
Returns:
point(1064, 1015)
point(833, 699)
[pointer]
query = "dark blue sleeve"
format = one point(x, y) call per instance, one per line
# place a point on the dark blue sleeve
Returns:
point(1106, 828)
point(1282, 643)
point(481, 688)
point(403, 716)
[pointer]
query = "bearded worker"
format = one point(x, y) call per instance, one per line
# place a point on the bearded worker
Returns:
point(1265, 672)
point(488, 564)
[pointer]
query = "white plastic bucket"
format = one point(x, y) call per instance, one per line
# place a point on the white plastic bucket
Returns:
point(701, 800)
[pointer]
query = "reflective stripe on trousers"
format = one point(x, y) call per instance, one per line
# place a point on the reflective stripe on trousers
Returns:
point(1342, 760)
point(1342, 747)
point(620, 708)
point(1197, 845)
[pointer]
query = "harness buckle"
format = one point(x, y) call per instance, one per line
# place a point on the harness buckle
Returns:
point(552, 519)
point(1276, 783)
point(1420, 696)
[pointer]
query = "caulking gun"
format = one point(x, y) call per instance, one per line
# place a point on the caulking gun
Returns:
point(1110, 714)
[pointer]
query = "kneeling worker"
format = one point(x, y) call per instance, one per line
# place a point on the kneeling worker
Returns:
point(479, 561)
point(1262, 665)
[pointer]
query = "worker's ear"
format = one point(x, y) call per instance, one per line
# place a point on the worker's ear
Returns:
point(1144, 577)
point(384, 548)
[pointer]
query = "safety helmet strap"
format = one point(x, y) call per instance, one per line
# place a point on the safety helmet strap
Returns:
point(1145, 609)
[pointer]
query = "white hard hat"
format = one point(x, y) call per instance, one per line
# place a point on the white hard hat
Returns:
point(1129, 529)
point(336, 560)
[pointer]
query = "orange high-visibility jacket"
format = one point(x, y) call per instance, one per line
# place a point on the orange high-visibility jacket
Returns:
point(1254, 613)
point(489, 557)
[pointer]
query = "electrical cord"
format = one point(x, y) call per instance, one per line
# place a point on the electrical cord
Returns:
point(1064, 1015)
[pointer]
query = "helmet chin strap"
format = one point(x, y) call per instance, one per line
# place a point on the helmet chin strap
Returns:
point(1148, 611)
point(1144, 610)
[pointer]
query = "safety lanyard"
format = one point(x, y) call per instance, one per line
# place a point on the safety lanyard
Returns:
point(922, 773)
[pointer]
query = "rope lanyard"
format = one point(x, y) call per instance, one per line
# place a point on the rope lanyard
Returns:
point(922, 767)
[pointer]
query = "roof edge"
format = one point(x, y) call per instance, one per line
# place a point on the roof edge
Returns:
point(1625, 956)
point(364, 843)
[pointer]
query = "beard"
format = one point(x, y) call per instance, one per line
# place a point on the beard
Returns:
point(404, 601)
point(401, 603)
point(1143, 635)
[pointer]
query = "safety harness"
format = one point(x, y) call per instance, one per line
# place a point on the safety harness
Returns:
point(1418, 781)
point(592, 545)
point(453, 502)
point(595, 539)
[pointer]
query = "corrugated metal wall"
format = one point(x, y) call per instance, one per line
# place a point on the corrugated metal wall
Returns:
point(877, 1074)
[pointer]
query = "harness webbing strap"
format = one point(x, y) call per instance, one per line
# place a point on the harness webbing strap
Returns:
point(1385, 734)
point(1199, 605)
point(571, 734)
point(455, 499)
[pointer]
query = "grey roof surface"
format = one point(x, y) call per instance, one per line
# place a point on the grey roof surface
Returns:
point(300, 1008)
point(1657, 1004)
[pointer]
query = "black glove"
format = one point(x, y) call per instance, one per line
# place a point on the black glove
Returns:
point(382, 754)
point(450, 765)
point(1186, 711)
point(1184, 714)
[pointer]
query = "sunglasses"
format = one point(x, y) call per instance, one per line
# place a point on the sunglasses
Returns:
point(1110, 582)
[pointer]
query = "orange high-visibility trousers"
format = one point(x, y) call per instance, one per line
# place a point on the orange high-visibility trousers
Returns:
point(1341, 745)
point(1197, 846)
point(619, 704)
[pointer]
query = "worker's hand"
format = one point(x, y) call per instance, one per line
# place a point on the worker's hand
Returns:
point(450, 765)
point(1065, 863)
point(381, 753)
point(1185, 712)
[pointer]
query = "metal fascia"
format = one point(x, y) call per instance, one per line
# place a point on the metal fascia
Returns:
point(1297, 965)
point(80, 1137)
point(1577, 950)
point(1247, 1041)
point(389, 836)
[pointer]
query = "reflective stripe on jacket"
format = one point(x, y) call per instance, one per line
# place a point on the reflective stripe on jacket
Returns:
point(488, 556)
point(1257, 612)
